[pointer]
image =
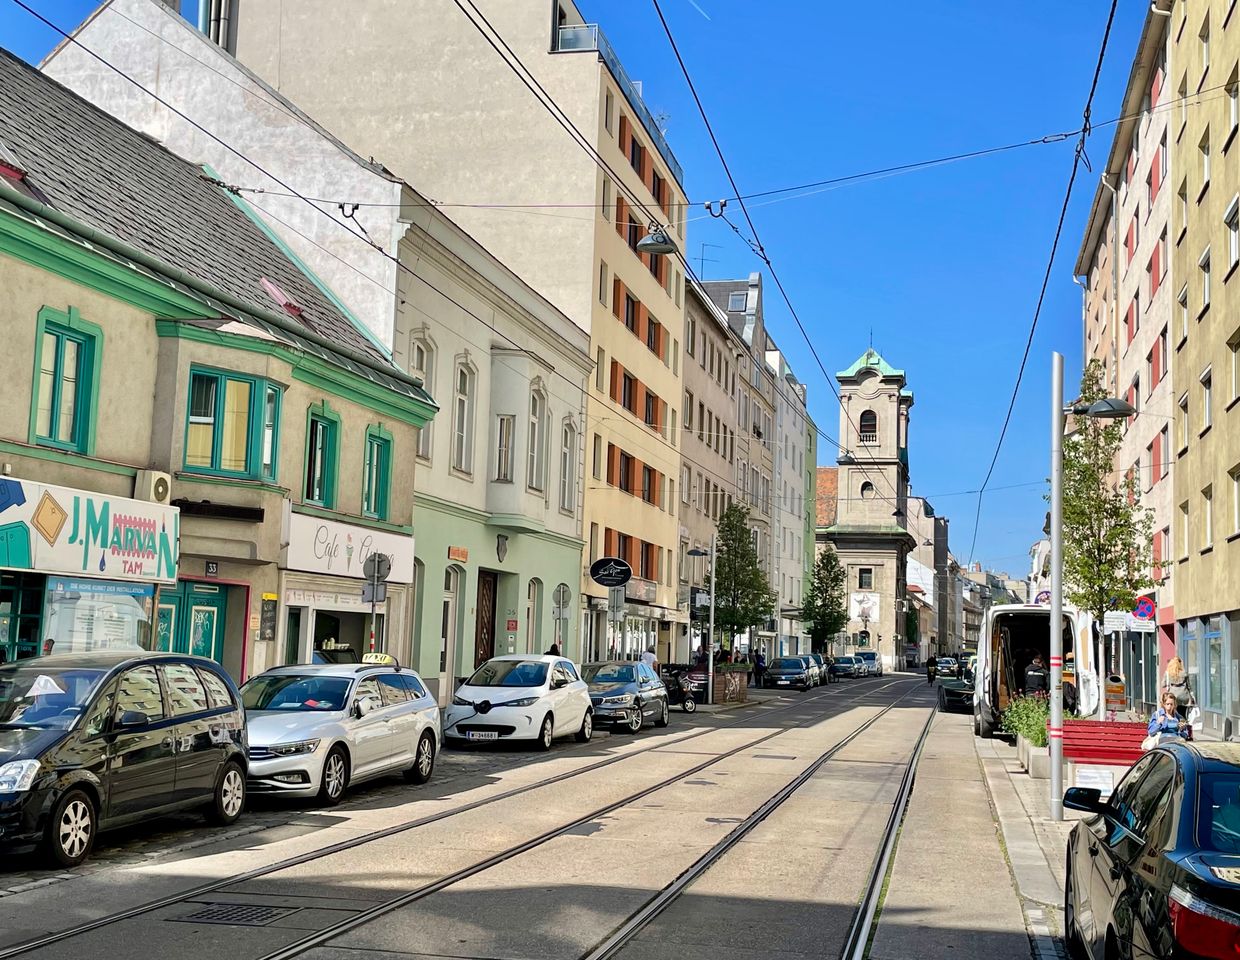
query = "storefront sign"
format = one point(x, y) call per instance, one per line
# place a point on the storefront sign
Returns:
point(458, 554)
point(61, 530)
point(340, 549)
point(267, 618)
point(610, 572)
point(641, 590)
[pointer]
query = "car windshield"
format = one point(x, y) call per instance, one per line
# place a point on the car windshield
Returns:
point(509, 673)
point(608, 673)
point(1218, 822)
point(788, 663)
point(295, 691)
point(38, 695)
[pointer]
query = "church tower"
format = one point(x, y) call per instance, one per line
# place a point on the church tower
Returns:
point(870, 532)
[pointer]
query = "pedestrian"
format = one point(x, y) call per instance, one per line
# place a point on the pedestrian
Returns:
point(699, 656)
point(650, 660)
point(1167, 722)
point(759, 668)
point(553, 650)
point(1175, 682)
point(932, 667)
point(1037, 681)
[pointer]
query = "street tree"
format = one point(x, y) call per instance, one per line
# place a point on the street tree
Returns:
point(824, 609)
point(1107, 533)
point(743, 597)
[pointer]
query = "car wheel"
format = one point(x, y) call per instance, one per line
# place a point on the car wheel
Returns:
point(1071, 936)
point(71, 829)
point(662, 719)
point(977, 724)
point(545, 735)
point(229, 799)
point(942, 701)
point(335, 779)
point(634, 722)
point(985, 730)
point(690, 705)
point(423, 760)
point(587, 726)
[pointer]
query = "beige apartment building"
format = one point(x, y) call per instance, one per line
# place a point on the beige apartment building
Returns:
point(1126, 250)
point(1205, 334)
point(423, 91)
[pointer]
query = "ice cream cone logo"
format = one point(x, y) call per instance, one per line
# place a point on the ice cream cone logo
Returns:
point(348, 552)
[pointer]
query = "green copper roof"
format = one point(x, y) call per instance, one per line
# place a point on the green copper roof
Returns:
point(870, 358)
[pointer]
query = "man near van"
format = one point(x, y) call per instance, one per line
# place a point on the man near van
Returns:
point(1037, 680)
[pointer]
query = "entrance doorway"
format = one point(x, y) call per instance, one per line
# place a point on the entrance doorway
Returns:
point(484, 636)
point(344, 630)
point(21, 611)
point(191, 620)
point(292, 635)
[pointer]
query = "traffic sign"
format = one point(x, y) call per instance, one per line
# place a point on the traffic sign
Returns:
point(615, 603)
point(611, 572)
point(377, 566)
point(1144, 609)
point(374, 592)
point(1114, 621)
point(1044, 596)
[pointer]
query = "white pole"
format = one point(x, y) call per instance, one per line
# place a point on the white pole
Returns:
point(1056, 725)
point(710, 639)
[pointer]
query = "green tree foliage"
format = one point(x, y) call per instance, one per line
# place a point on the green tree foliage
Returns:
point(744, 597)
point(1107, 533)
point(824, 609)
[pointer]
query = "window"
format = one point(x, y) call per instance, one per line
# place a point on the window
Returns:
point(1185, 530)
point(1232, 221)
point(1207, 392)
point(628, 392)
point(1233, 347)
point(1183, 423)
point(217, 690)
point(1203, 148)
point(1203, 37)
point(1233, 99)
point(598, 457)
point(1164, 452)
point(270, 428)
point(376, 477)
point(422, 359)
point(1204, 265)
point(602, 283)
point(227, 431)
point(139, 692)
point(1181, 200)
point(867, 490)
point(630, 313)
point(1234, 476)
point(463, 421)
point(608, 201)
point(686, 479)
point(536, 461)
point(1182, 301)
point(648, 485)
point(448, 614)
point(736, 301)
point(68, 354)
point(652, 336)
point(869, 427)
point(505, 435)
point(637, 153)
point(568, 467)
point(186, 693)
point(609, 109)
point(393, 688)
point(593, 542)
point(626, 472)
point(322, 439)
point(1207, 518)
point(865, 578)
point(652, 410)
point(1182, 95)
point(633, 234)
point(600, 371)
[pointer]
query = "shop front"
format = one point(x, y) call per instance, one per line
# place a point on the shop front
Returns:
point(325, 602)
point(80, 570)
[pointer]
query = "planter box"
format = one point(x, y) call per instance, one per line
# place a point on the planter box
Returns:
point(1036, 761)
point(731, 685)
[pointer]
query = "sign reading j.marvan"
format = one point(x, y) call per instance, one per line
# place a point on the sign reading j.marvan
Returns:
point(62, 530)
point(328, 546)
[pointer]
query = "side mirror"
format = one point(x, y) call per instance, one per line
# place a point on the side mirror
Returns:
point(363, 706)
point(132, 718)
point(558, 682)
point(1085, 799)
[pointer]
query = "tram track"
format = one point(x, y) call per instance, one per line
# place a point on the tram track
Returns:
point(202, 890)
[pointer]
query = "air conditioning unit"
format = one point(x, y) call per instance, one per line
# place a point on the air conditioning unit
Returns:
point(152, 485)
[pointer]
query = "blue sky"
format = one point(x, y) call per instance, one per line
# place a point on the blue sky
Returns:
point(943, 265)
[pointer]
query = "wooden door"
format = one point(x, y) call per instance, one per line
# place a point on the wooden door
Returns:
point(484, 635)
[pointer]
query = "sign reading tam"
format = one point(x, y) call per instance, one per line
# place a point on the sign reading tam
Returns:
point(610, 572)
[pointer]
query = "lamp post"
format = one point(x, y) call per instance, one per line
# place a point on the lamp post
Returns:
point(710, 636)
point(1108, 409)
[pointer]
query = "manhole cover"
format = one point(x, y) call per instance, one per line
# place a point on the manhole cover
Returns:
point(237, 914)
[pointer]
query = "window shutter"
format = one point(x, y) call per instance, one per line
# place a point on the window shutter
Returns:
point(617, 297)
point(613, 465)
point(616, 373)
point(622, 216)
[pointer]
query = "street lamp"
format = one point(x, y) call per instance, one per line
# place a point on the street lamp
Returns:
point(656, 241)
point(1107, 409)
point(710, 636)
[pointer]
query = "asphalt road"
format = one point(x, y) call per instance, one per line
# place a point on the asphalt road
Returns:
point(518, 855)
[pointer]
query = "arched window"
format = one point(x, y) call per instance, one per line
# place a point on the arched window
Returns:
point(867, 490)
point(533, 599)
point(422, 364)
point(463, 420)
point(869, 427)
point(448, 624)
point(568, 467)
point(536, 470)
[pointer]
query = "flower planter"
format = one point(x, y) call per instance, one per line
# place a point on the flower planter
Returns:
point(1036, 761)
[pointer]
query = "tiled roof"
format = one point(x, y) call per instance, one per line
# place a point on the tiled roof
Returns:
point(94, 168)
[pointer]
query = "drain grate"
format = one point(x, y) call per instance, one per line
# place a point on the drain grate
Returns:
point(236, 914)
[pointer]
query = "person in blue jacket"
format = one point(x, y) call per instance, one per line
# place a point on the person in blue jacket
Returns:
point(1167, 720)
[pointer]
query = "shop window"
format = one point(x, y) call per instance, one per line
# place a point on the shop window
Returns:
point(232, 426)
point(322, 447)
point(68, 352)
point(377, 472)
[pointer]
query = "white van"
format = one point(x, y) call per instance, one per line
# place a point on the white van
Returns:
point(1012, 634)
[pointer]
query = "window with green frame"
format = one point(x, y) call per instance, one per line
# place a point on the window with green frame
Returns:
point(68, 351)
point(233, 425)
point(377, 473)
point(322, 446)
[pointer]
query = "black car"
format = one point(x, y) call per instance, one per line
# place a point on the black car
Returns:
point(787, 672)
point(1155, 871)
point(626, 693)
point(93, 741)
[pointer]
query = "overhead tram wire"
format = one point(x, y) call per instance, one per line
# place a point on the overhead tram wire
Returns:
point(1078, 155)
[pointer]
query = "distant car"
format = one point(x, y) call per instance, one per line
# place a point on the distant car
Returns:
point(812, 670)
point(863, 668)
point(787, 672)
point(844, 667)
point(821, 663)
point(947, 667)
point(521, 697)
point(873, 663)
point(1151, 872)
point(92, 741)
point(317, 729)
point(626, 693)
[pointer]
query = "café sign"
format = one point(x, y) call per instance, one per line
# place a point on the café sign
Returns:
point(340, 549)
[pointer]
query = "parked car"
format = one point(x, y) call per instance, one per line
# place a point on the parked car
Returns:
point(862, 668)
point(92, 741)
point(821, 663)
point(317, 729)
point(1152, 871)
point(845, 667)
point(626, 693)
point(521, 697)
point(947, 667)
point(787, 672)
point(873, 663)
point(812, 670)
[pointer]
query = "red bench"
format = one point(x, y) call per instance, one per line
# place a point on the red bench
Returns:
point(1103, 741)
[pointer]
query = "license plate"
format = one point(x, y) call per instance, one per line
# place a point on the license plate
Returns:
point(782, 682)
point(482, 735)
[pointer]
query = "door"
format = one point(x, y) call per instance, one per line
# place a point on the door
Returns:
point(571, 701)
point(484, 635)
point(369, 734)
point(401, 717)
point(141, 760)
point(199, 755)
point(654, 694)
point(191, 619)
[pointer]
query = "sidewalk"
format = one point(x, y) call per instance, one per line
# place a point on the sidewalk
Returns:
point(756, 698)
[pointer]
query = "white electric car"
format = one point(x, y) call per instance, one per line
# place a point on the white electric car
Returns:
point(521, 697)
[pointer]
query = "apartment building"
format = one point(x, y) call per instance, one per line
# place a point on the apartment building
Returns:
point(423, 89)
point(1204, 70)
point(1133, 330)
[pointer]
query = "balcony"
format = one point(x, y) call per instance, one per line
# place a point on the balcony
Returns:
point(587, 37)
point(869, 436)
